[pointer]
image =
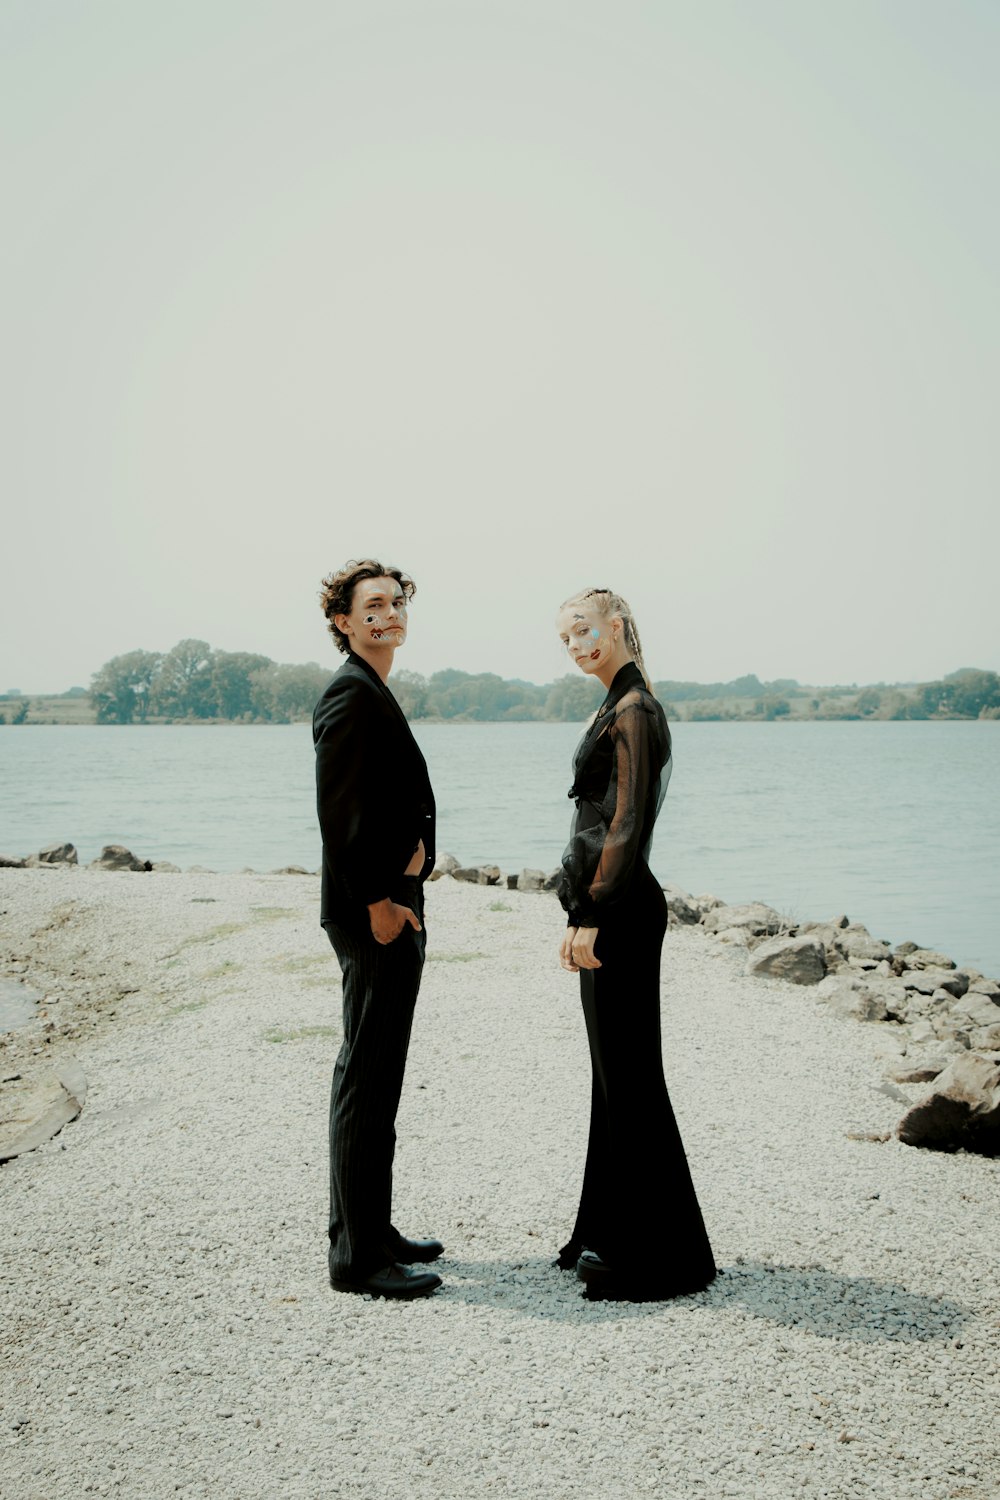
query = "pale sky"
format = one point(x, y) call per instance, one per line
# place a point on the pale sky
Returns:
point(694, 299)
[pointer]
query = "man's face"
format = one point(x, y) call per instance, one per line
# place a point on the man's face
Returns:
point(378, 615)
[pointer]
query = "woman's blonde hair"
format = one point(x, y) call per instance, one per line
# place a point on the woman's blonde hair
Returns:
point(608, 605)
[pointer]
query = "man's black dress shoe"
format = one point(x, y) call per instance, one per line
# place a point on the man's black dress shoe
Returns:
point(392, 1281)
point(409, 1252)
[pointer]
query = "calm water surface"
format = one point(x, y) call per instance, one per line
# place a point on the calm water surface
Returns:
point(896, 824)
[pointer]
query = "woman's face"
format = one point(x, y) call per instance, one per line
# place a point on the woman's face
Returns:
point(589, 639)
point(378, 614)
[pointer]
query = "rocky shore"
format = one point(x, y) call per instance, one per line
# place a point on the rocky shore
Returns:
point(168, 1329)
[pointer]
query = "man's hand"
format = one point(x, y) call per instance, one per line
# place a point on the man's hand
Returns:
point(388, 920)
point(416, 860)
point(582, 948)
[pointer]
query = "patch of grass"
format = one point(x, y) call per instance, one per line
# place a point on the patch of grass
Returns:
point(320, 982)
point(224, 929)
point(190, 1005)
point(227, 967)
point(298, 1033)
point(453, 958)
point(297, 963)
point(499, 906)
point(272, 913)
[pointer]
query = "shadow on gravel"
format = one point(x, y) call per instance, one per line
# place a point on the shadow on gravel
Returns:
point(834, 1306)
point(817, 1301)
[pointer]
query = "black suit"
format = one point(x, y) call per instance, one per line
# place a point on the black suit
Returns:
point(375, 803)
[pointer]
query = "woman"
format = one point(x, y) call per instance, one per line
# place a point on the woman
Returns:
point(639, 1233)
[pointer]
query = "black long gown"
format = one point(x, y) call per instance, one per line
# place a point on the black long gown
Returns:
point(638, 1208)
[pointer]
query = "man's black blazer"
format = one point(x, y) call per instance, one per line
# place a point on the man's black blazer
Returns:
point(373, 792)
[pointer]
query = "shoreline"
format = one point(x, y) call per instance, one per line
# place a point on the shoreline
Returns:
point(926, 1006)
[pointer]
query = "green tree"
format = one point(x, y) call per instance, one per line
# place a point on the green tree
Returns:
point(410, 691)
point(184, 681)
point(231, 685)
point(868, 702)
point(770, 707)
point(972, 693)
point(282, 692)
point(122, 689)
point(573, 699)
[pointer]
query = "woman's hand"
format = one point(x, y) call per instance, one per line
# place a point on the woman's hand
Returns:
point(388, 920)
point(566, 951)
point(582, 948)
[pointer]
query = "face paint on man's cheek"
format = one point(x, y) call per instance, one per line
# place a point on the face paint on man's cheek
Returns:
point(379, 629)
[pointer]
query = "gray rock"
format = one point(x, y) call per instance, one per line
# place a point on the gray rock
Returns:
point(925, 958)
point(985, 1038)
point(824, 931)
point(445, 864)
point(735, 937)
point(117, 857)
point(55, 854)
point(906, 948)
point(962, 1110)
point(531, 880)
point(681, 909)
point(856, 941)
point(512, 882)
point(705, 902)
point(799, 959)
point(756, 919)
point(10, 862)
point(164, 867)
point(849, 996)
point(926, 981)
point(53, 1104)
point(292, 870)
point(552, 880)
point(875, 966)
point(923, 1073)
point(983, 986)
point(478, 874)
point(979, 1009)
point(947, 1030)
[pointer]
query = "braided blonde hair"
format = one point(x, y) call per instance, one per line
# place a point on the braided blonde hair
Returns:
point(607, 605)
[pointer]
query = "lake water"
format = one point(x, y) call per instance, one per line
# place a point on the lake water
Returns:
point(898, 824)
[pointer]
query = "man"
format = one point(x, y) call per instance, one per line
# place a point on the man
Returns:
point(376, 815)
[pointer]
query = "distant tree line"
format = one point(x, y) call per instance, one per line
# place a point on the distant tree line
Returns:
point(194, 682)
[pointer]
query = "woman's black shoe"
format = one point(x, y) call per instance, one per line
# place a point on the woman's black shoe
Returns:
point(590, 1267)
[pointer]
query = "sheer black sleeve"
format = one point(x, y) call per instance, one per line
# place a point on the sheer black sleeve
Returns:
point(600, 860)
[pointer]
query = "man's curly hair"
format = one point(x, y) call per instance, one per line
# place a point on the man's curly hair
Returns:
point(337, 594)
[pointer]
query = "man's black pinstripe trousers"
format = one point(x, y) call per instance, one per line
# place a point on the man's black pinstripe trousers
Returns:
point(380, 992)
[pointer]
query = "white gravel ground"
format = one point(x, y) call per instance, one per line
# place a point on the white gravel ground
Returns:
point(167, 1326)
